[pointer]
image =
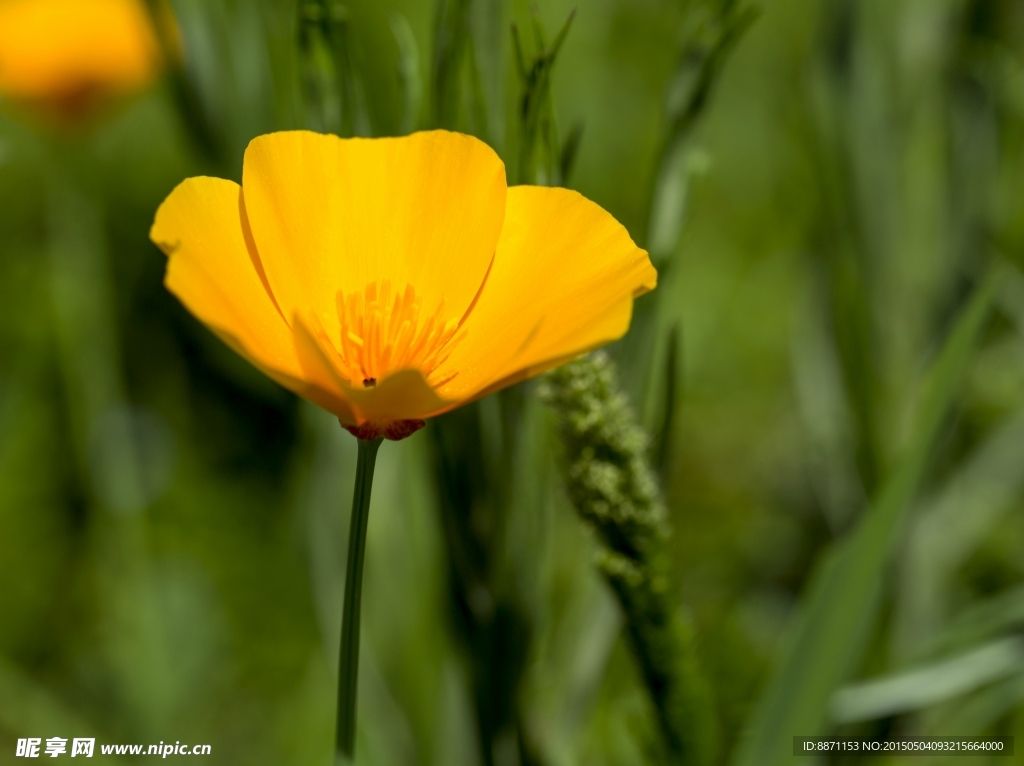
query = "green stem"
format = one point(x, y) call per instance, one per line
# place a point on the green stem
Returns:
point(348, 664)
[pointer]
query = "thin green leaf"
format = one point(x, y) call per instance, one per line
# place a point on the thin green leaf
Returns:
point(479, 118)
point(539, 153)
point(842, 603)
point(925, 686)
point(517, 46)
point(451, 45)
point(488, 60)
point(198, 124)
point(538, 30)
point(665, 429)
point(408, 71)
point(984, 620)
point(556, 46)
point(981, 710)
point(950, 528)
point(700, 64)
point(570, 149)
point(702, 56)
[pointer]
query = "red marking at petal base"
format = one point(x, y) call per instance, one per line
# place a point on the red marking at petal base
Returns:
point(367, 431)
point(395, 430)
point(401, 428)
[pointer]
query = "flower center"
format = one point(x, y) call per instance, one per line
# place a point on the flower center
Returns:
point(385, 330)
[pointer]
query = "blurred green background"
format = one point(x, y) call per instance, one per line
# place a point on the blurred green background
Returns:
point(832, 372)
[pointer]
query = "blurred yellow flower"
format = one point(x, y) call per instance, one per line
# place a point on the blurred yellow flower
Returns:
point(389, 280)
point(65, 57)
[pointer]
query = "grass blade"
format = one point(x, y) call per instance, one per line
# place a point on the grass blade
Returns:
point(922, 687)
point(843, 599)
point(408, 71)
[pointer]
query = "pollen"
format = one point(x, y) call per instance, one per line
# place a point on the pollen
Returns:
point(384, 330)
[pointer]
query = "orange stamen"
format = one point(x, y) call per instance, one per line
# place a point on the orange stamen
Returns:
point(384, 331)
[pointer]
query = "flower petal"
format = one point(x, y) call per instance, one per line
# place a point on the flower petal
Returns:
point(563, 281)
point(331, 214)
point(406, 395)
point(53, 48)
point(211, 268)
point(319, 374)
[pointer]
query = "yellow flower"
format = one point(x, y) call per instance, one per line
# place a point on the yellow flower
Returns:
point(65, 57)
point(390, 280)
